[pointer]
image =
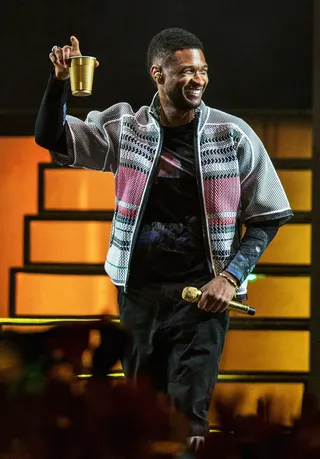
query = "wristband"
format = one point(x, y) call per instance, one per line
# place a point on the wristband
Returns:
point(230, 280)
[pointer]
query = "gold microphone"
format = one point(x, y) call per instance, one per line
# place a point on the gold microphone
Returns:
point(193, 295)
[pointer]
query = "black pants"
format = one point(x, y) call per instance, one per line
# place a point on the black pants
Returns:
point(176, 344)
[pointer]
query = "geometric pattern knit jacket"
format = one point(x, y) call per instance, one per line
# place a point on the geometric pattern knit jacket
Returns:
point(236, 178)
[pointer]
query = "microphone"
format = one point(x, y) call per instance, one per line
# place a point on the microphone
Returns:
point(193, 295)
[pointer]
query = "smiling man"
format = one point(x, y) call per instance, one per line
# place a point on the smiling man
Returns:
point(186, 176)
point(186, 78)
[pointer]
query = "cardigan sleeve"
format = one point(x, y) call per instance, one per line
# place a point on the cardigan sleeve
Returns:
point(262, 195)
point(89, 144)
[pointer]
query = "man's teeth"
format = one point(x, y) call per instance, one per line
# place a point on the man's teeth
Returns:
point(194, 91)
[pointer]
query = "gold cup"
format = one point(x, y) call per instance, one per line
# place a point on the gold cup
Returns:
point(81, 75)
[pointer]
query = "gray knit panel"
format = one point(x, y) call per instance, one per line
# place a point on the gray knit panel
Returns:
point(94, 143)
point(262, 194)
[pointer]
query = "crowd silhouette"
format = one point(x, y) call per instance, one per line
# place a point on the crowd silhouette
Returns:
point(51, 408)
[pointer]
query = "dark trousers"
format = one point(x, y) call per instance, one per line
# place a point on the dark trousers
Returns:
point(176, 344)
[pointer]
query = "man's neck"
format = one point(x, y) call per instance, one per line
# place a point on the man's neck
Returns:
point(171, 117)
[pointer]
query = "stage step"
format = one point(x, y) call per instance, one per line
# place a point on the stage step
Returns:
point(50, 239)
point(75, 189)
point(68, 290)
point(280, 296)
point(298, 187)
point(81, 189)
point(84, 238)
point(292, 245)
point(54, 292)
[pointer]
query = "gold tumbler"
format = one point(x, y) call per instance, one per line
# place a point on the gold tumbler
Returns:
point(81, 75)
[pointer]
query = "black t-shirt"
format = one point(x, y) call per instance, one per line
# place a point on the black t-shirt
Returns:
point(170, 244)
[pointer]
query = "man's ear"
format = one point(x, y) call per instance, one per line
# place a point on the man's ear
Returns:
point(156, 74)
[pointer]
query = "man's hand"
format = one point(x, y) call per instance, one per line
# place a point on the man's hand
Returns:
point(60, 58)
point(217, 294)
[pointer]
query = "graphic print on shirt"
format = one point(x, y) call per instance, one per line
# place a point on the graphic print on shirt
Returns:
point(170, 166)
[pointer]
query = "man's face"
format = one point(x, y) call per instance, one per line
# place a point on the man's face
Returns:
point(185, 78)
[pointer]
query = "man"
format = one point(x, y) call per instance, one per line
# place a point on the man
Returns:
point(186, 177)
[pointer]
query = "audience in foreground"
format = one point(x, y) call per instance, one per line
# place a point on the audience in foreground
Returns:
point(48, 411)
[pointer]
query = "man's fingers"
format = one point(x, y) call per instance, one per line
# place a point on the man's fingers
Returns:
point(219, 306)
point(67, 56)
point(224, 307)
point(66, 50)
point(209, 304)
point(202, 301)
point(206, 303)
point(59, 55)
point(75, 49)
point(212, 306)
point(53, 58)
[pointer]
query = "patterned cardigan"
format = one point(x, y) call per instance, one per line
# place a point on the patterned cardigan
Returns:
point(237, 180)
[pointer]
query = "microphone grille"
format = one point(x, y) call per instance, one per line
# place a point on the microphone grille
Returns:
point(191, 294)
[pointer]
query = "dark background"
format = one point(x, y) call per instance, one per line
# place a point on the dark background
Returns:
point(259, 52)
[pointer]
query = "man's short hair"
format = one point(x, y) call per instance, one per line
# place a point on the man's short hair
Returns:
point(167, 42)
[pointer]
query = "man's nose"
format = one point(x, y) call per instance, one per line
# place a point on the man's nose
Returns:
point(198, 78)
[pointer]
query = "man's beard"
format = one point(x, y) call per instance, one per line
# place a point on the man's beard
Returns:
point(180, 101)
